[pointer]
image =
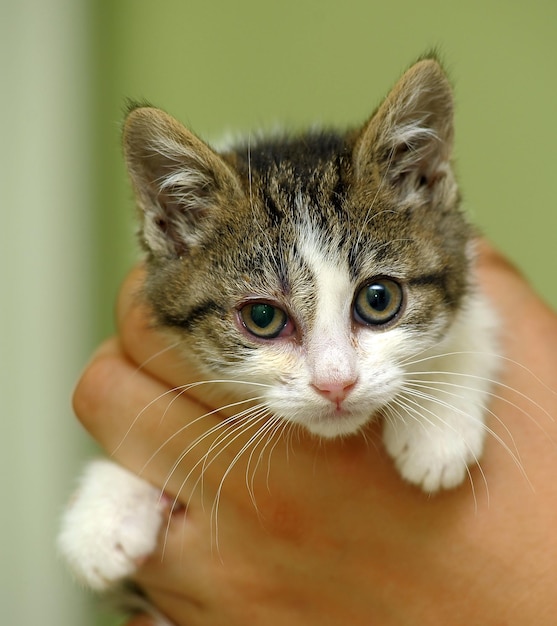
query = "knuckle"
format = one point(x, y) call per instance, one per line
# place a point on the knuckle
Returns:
point(94, 388)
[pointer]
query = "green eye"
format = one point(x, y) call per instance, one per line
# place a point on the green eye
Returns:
point(263, 320)
point(378, 302)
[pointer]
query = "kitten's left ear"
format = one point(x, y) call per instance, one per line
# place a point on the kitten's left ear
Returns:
point(179, 182)
point(408, 141)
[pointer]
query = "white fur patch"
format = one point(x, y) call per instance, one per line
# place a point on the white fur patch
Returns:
point(331, 355)
point(111, 525)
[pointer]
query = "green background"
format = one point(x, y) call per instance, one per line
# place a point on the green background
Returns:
point(235, 66)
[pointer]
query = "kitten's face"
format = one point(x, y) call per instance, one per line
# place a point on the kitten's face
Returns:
point(318, 266)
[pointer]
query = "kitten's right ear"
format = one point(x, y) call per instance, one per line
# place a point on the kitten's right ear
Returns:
point(407, 143)
point(178, 180)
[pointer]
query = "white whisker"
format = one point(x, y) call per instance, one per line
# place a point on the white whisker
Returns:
point(246, 446)
point(177, 392)
point(275, 426)
point(229, 425)
point(441, 355)
point(492, 382)
point(233, 428)
point(156, 355)
point(207, 433)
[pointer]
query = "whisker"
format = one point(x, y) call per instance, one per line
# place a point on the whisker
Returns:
point(431, 387)
point(157, 354)
point(229, 426)
point(239, 430)
point(261, 435)
point(214, 509)
point(501, 357)
point(207, 433)
point(232, 427)
point(174, 390)
point(391, 414)
point(473, 486)
point(272, 427)
point(178, 391)
point(407, 404)
point(491, 381)
point(281, 427)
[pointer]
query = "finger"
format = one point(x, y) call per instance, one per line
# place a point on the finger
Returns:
point(138, 420)
point(149, 346)
point(169, 571)
point(523, 398)
point(515, 301)
point(489, 259)
point(509, 290)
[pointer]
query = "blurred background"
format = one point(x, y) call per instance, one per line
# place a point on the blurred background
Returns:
point(66, 218)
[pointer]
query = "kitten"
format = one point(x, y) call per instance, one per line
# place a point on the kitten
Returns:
point(333, 267)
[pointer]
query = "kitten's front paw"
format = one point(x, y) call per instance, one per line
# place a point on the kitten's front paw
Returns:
point(111, 525)
point(433, 458)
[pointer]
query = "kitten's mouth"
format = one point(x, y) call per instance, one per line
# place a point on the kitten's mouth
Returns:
point(340, 409)
point(339, 421)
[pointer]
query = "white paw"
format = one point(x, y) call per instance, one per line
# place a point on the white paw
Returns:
point(111, 525)
point(431, 457)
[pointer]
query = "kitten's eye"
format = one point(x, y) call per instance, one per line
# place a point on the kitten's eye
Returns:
point(263, 320)
point(378, 302)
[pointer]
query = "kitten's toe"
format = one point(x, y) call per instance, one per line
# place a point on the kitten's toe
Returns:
point(433, 474)
point(432, 460)
point(111, 526)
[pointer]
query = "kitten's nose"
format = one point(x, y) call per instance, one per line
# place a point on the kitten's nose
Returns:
point(336, 392)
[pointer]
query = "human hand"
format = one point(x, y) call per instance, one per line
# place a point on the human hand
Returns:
point(336, 537)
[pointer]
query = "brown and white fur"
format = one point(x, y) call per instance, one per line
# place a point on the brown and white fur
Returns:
point(333, 271)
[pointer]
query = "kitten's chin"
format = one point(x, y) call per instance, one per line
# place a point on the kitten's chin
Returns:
point(338, 425)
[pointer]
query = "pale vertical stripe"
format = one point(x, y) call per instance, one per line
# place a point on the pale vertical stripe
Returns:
point(44, 308)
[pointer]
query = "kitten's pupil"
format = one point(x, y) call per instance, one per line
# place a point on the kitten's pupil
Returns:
point(262, 315)
point(378, 297)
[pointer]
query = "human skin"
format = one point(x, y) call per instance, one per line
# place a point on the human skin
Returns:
point(335, 537)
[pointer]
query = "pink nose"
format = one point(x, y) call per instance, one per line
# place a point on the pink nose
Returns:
point(336, 392)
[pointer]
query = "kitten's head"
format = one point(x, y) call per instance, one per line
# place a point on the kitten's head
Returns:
point(316, 264)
